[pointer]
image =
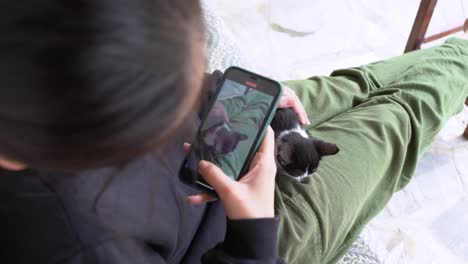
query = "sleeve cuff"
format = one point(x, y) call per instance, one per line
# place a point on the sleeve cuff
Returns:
point(252, 238)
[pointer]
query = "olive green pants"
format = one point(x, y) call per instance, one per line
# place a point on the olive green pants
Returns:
point(382, 116)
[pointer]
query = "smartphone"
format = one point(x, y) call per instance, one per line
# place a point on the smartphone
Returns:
point(233, 127)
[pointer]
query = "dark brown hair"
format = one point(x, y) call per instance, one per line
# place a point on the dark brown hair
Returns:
point(88, 83)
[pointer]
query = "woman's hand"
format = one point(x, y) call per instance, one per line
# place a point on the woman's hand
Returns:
point(290, 99)
point(253, 195)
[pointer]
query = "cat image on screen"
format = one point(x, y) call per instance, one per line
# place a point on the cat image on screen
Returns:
point(297, 155)
point(217, 137)
point(221, 139)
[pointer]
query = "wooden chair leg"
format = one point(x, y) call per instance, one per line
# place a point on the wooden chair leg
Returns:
point(425, 11)
point(466, 129)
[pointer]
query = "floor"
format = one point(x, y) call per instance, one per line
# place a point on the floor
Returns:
point(427, 222)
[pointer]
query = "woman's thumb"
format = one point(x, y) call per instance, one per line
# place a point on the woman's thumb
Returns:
point(215, 177)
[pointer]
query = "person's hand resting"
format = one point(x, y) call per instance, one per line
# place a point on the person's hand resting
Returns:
point(253, 195)
point(290, 99)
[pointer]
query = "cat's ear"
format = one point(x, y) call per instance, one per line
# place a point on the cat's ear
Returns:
point(242, 137)
point(326, 149)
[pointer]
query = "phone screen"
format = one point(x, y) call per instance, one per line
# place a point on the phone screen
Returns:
point(232, 127)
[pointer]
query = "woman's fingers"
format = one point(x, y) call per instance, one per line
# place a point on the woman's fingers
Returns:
point(286, 102)
point(266, 149)
point(215, 177)
point(264, 163)
point(186, 148)
point(301, 113)
point(290, 99)
point(200, 199)
point(251, 197)
point(268, 144)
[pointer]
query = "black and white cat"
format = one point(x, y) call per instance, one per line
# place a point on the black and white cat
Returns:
point(297, 155)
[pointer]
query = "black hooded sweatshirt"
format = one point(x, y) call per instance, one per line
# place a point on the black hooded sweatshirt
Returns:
point(135, 213)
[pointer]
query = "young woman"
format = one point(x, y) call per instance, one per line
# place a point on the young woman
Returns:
point(98, 97)
point(109, 86)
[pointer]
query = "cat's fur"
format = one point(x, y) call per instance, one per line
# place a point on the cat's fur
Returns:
point(297, 155)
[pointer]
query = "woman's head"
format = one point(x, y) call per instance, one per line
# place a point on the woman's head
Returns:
point(88, 83)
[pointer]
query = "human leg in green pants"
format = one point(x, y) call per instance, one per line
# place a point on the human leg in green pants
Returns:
point(382, 116)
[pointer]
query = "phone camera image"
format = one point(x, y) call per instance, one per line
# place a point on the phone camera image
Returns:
point(230, 130)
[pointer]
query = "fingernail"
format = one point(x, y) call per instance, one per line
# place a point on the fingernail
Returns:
point(203, 164)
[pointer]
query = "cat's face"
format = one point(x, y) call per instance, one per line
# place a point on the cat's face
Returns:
point(227, 140)
point(298, 156)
